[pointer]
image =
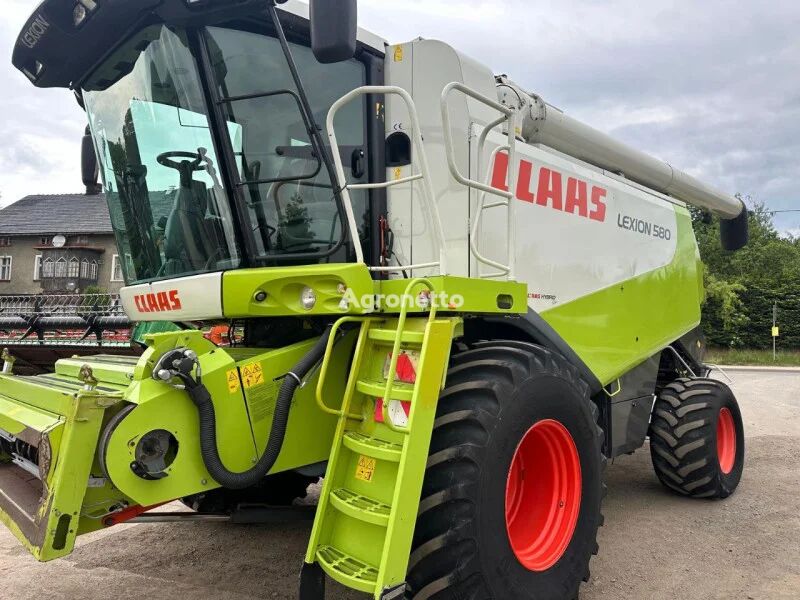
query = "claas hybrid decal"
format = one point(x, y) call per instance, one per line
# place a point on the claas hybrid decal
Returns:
point(455, 303)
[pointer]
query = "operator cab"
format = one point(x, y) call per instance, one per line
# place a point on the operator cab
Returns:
point(206, 126)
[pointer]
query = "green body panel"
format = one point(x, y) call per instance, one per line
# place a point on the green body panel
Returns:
point(478, 295)
point(244, 406)
point(283, 287)
point(62, 422)
point(617, 328)
point(56, 408)
point(333, 283)
point(367, 510)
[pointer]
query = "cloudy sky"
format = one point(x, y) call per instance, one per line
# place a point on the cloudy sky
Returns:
point(713, 86)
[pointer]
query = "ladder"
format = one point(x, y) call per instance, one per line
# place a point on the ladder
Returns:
point(368, 506)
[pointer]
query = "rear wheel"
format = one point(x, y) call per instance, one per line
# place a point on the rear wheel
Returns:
point(697, 438)
point(511, 500)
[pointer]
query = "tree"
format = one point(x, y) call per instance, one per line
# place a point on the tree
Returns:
point(741, 287)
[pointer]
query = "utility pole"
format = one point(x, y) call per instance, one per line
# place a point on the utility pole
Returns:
point(774, 331)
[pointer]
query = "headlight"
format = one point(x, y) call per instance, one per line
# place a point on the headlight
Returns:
point(79, 14)
point(308, 298)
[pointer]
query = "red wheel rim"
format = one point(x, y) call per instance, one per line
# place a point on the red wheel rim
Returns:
point(543, 495)
point(726, 441)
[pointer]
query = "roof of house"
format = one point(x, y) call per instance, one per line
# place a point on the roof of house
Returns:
point(56, 214)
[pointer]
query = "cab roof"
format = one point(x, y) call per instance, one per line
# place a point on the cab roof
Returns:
point(53, 51)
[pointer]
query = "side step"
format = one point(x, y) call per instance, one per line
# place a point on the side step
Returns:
point(367, 509)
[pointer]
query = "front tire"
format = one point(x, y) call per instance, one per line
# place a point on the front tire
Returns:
point(697, 438)
point(511, 500)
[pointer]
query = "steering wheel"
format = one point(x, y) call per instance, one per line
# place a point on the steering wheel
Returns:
point(184, 167)
point(197, 164)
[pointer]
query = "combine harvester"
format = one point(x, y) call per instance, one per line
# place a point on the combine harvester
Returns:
point(457, 302)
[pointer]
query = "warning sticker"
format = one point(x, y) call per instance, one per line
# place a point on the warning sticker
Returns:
point(398, 54)
point(365, 470)
point(252, 375)
point(233, 381)
point(261, 401)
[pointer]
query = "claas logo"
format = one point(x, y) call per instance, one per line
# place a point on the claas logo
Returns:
point(159, 302)
point(548, 187)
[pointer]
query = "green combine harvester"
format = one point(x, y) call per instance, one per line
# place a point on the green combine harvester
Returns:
point(454, 302)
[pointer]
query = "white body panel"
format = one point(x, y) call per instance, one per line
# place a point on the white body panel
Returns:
point(424, 68)
point(561, 254)
point(578, 230)
point(184, 299)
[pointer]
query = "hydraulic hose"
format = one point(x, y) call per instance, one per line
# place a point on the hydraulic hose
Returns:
point(208, 422)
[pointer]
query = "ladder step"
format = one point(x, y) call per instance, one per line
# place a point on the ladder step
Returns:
point(361, 507)
point(373, 447)
point(400, 391)
point(347, 569)
point(389, 335)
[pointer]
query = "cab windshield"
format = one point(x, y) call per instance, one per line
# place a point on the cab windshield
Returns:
point(170, 191)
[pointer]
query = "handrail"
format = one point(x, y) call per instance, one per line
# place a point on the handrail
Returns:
point(507, 114)
point(323, 371)
point(423, 176)
point(401, 321)
point(473, 238)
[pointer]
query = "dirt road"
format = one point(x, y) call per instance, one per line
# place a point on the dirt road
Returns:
point(654, 544)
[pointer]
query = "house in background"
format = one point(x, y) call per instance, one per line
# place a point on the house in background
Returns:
point(60, 243)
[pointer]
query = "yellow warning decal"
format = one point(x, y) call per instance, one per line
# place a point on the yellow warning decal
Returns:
point(233, 381)
point(365, 469)
point(398, 172)
point(252, 375)
point(398, 54)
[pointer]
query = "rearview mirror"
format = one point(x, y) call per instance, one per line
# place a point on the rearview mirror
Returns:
point(90, 171)
point(734, 233)
point(334, 29)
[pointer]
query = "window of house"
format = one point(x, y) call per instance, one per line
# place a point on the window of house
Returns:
point(84, 269)
point(5, 241)
point(37, 267)
point(61, 268)
point(46, 240)
point(74, 268)
point(93, 270)
point(116, 268)
point(47, 268)
point(5, 268)
point(79, 240)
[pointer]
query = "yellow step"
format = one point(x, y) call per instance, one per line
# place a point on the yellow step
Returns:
point(388, 336)
point(372, 447)
point(360, 507)
point(347, 569)
point(400, 391)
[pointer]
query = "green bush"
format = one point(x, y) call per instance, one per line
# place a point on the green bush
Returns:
point(742, 287)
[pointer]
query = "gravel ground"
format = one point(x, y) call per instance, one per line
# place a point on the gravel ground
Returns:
point(654, 545)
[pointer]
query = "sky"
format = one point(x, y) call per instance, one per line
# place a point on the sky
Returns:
point(713, 87)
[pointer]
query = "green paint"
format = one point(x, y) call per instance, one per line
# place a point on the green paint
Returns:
point(616, 328)
point(367, 509)
point(47, 524)
point(283, 287)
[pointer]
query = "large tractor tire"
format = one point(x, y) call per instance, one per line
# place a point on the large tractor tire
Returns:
point(511, 500)
point(697, 438)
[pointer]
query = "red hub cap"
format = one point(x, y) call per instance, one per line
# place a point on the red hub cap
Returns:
point(726, 441)
point(543, 495)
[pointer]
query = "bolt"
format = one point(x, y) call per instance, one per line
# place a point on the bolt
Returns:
point(560, 504)
point(203, 482)
point(260, 296)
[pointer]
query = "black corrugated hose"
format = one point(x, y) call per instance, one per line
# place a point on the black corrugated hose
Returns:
point(208, 422)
